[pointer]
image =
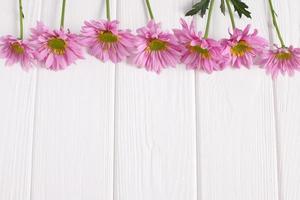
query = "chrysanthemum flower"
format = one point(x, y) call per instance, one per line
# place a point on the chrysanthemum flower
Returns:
point(243, 47)
point(155, 49)
point(16, 51)
point(198, 52)
point(106, 42)
point(284, 60)
point(56, 49)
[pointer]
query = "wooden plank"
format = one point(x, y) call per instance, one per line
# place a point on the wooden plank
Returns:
point(73, 145)
point(17, 109)
point(236, 126)
point(155, 119)
point(287, 97)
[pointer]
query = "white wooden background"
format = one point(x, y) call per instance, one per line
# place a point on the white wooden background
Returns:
point(113, 132)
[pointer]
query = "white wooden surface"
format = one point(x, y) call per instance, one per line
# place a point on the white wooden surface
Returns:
point(103, 131)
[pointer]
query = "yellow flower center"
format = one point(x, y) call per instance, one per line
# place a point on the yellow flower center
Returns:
point(157, 45)
point(286, 55)
point(241, 48)
point(204, 53)
point(17, 48)
point(57, 45)
point(107, 37)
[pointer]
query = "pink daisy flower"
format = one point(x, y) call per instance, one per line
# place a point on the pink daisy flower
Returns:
point(284, 60)
point(56, 49)
point(243, 47)
point(106, 42)
point(155, 49)
point(198, 52)
point(16, 51)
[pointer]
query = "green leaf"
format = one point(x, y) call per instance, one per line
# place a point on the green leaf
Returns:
point(191, 12)
point(241, 8)
point(222, 6)
point(199, 7)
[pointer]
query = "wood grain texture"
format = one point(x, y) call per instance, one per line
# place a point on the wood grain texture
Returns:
point(287, 96)
point(99, 131)
point(17, 100)
point(155, 119)
point(73, 139)
point(236, 126)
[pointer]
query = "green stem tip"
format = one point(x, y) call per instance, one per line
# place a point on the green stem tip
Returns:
point(62, 19)
point(209, 18)
point(21, 15)
point(230, 14)
point(275, 23)
point(107, 10)
point(149, 9)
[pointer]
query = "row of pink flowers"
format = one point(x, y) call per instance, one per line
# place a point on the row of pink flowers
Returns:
point(151, 48)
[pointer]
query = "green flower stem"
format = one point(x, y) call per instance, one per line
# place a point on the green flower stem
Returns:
point(275, 23)
point(107, 10)
point(62, 19)
point(230, 14)
point(21, 20)
point(149, 9)
point(209, 18)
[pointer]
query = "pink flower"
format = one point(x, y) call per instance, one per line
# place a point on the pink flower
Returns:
point(198, 52)
point(281, 60)
point(155, 49)
point(55, 49)
point(243, 48)
point(106, 42)
point(16, 51)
